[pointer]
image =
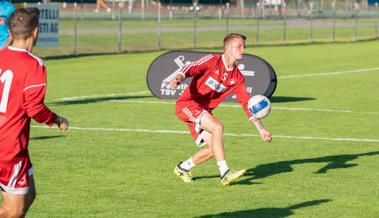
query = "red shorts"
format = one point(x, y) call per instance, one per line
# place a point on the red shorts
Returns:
point(14, 176)
point(191, 113)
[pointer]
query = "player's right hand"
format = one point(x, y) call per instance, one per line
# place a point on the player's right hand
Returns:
point(176, 81)
point(265, 135)
point(62, 123)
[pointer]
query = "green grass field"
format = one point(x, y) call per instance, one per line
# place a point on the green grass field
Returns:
point(114, 162)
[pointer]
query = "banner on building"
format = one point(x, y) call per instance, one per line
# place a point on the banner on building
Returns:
point(48, 25)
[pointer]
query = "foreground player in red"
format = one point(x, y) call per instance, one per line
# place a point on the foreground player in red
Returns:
point(214, 78)
point(22, 92)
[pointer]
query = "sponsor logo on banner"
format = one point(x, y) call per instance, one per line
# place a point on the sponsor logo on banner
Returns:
point(260, 77)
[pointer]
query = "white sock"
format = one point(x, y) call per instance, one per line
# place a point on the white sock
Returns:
point(188, 164)
point(222, 166)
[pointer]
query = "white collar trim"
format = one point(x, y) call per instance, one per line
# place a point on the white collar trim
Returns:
point(17, 49)
point(226, 66)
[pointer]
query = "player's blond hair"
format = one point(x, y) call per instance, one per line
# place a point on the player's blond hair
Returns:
point(23, 22)
point(232, 36)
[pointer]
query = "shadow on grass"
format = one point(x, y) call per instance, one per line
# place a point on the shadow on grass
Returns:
point(282, 99)
point(332, 162)
point(96, 100)
point(46, 137)
point(271, 169)
point(270, 212)
point(218, 176)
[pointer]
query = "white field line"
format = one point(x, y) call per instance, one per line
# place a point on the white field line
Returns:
point(159, 131)
point(221, 105)
point(330, 73)
point(238, 106)
point(325, 110)
point(102, 96)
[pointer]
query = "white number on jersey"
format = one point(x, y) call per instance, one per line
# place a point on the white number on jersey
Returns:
point(6, 79)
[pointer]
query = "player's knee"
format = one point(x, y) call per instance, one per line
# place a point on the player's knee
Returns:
point(219, 128)
point(210, 153)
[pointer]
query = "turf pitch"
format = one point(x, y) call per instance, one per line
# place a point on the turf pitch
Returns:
point(115, 163)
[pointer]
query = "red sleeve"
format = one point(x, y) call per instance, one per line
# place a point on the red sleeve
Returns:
point(197, 67)
point(34, 95)
point(242, 95)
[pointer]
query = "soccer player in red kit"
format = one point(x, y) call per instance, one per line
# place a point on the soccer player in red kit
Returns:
point(22, 92)
point(214, 78)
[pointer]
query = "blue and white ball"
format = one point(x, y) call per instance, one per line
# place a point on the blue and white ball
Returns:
point(259, 106)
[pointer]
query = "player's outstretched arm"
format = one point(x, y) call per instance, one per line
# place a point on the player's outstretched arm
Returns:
point(62, 123)
point(176, 81)
point(265, 134)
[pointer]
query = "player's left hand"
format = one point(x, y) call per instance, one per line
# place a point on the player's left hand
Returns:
point(62, 123)
point(265, 135)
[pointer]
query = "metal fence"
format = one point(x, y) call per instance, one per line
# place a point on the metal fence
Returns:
point(130, 28)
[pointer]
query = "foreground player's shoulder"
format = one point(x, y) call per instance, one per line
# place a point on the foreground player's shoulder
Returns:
point(35, 59)
point(35, 74)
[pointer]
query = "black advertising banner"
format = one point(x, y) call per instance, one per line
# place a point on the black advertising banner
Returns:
point(260, 77)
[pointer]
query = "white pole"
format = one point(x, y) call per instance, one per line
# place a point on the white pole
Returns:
point(284, 11)
point(227, 17)
point(113, 10)
point(257, 33)
point(242, 5)
point(194, 24)
point(120, 6)
point(75, 28)
point(311, 20)
point(143, 9)
point(130, 6)
point(159, 26)
point(334, 20)
point(170, 12)
point(81, 10)
point(377, 20)
point(219, 12)
point(355, 13)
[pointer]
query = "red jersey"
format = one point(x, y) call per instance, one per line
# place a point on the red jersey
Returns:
point(22, 92)
point(212, 82)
